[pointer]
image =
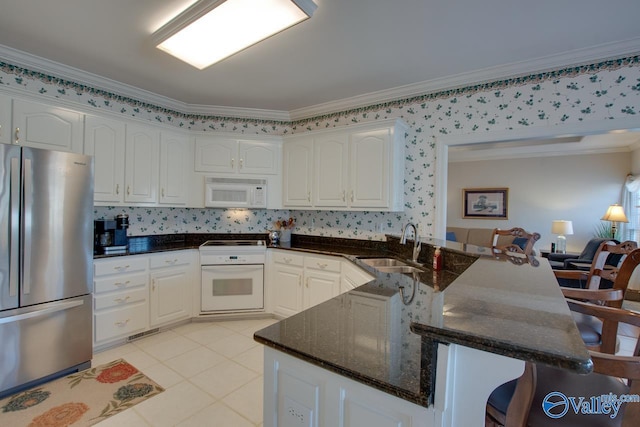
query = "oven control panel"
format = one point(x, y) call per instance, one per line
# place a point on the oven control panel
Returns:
point(231, 259)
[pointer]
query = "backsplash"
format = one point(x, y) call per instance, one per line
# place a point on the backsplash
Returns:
point(590, 93)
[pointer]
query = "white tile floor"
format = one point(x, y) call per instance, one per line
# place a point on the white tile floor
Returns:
point(212, 373)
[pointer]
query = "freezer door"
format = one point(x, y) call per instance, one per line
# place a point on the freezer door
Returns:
point(43, 340)
point(9, 226)
point(57, 225)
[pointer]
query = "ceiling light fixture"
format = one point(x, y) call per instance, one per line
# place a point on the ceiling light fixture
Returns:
point(212, 30)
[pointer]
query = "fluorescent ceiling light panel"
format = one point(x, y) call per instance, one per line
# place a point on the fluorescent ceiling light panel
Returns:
point(210, 31)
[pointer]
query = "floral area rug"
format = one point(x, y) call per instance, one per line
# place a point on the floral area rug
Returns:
point(81, 399)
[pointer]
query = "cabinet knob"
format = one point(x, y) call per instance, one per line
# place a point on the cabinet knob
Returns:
point(343, 195)
point(241, 163)
point(121, 267)
point(233, 162)
point(309, 196)
point(352, 195)
point(120, 284)
point(121, 300)
point(17, 136)
point(162, 192)
point(117, 188)
point(322, 266)
point(128, 190)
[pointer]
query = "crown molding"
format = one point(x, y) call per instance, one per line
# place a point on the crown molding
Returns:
point(46, 66)
point(548, 63)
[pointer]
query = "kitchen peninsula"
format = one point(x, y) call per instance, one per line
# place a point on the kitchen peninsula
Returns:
point(428, 356)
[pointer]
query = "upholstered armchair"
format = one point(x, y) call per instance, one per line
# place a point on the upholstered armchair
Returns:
point(563, 261)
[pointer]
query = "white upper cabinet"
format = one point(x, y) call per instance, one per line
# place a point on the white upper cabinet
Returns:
point(174, 168)
point(298, 172)
point(142, 164)
point(331, 181)
point(105, 141)
point(370, 169)
point(228, 155)
point(5, 119)
point(48, 127)
point(359, 167)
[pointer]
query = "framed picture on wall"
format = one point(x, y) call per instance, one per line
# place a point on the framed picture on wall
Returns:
point(487, 203)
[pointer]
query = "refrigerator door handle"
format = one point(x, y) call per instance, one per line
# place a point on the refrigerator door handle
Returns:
point(66, 305)
point(14, 239)
point(27, 213)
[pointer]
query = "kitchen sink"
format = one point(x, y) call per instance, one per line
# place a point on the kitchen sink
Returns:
point(398, 269)
point(383, 262)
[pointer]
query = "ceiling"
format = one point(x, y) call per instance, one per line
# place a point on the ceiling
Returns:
point(349, 49)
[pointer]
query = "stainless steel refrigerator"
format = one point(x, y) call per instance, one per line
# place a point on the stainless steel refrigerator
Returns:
point(46, 257)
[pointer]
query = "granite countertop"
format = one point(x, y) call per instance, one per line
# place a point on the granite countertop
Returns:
point(507, 306)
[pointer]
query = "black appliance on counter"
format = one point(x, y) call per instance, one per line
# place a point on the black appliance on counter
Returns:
point(110, 235)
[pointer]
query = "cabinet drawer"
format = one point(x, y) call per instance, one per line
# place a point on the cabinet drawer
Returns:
point(121, 322)
point(323, 263)
point(121, 282)
point(119, 265)
point(170, 259)
point(288, 258)
point(117, 299)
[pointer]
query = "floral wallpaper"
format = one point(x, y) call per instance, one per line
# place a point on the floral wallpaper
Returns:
point(601, 91)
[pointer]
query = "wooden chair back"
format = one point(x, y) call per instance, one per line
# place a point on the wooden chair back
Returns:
point(527, 391)
point(515, 232)
point(599, 269)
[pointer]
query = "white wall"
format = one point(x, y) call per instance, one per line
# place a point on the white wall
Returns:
point(577, 188)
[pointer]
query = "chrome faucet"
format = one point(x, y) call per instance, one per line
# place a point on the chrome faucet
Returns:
point(417, 244)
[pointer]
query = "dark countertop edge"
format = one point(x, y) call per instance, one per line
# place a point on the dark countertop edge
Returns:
point(418, 399)
point(501, 348)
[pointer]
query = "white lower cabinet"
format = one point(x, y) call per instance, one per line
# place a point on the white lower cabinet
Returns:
point(297, 393)
point(121, 298)
point(297, 281)
point(171, 280)
point(133, 294)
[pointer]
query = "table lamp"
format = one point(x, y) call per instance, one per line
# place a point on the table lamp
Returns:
point(561, 228)
point(615, 213)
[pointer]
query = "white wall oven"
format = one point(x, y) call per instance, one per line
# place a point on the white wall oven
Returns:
point(232, 275)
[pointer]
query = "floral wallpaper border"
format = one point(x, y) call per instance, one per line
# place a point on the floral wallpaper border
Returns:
point(601, 91)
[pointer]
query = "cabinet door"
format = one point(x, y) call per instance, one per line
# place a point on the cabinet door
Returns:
point(369, 169)
point(5, 120)
point(298, 172)
point(287, 290)
point(105, 141)
point(43, 126)
point(170, 297)
point(215, 154)
point(258, 157)
point(319, 286)
point(174, 168)
point(141, 166)
point(331, 154)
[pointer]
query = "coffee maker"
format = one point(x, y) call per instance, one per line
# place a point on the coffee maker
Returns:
point(110, 236)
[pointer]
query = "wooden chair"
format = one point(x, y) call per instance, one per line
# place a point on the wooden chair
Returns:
point(520, 241)
point(601, 268)
point(592, 329)
point(520, 402)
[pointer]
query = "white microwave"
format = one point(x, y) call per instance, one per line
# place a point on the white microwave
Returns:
point(235, 193)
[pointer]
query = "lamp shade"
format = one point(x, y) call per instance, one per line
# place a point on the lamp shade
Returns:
point(562, 227)
point(615, 213)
